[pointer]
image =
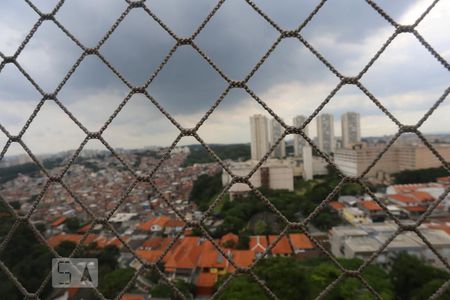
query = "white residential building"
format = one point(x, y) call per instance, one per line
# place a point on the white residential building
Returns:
point(259, 136)
point(325, 133)
point(363, 240)
point(276, 131)
point(308, 169)
point(351, 129)
point(299, 142)
point(274, 174)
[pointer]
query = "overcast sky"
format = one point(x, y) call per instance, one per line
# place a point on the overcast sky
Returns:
point(406, 78)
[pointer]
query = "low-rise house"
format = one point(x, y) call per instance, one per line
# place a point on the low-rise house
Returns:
point(337, 206)
point(211, 260)
point(161, 224)
point(360, 247)
point(362, 242)
point(415, 203)
point(56, 226)
point(124, 220)
point(173, 226)
point(205, 284)
point(338, 235)
point(373, 210)
point(182, 261)
point(350, 201)
point(258, 244)
point(354, 215)
point(242, 259)
point(282, 247)
point(302, 246)
point(229, 240)
point(101, 241)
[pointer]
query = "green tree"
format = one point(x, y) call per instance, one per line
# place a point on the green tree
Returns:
point(260, 227)
point(244, 240)
point(65, 248)
point(418, 176)
point(72, 224)
point(163, 290)
point(112, 283)
point(199, 154)
point(273, 271)
point(27, 259)
point(429, 289)
point(410, 275)
point(242, 287)
point(205, 189)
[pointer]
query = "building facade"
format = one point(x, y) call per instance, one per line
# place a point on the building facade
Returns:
point(351, 129)
point(276, 131)
point(259, 136)
point(273, 174)
point(325, 133)
point(308, 167)
point(363, 241)
point(299, 142)
point(399, 157)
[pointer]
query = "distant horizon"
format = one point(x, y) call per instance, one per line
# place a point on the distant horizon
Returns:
point(100, 149)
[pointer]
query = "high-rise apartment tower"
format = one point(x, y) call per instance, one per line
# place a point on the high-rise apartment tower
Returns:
point(259, 136)
point(351, 129)
point(276, 131)
point(325, 133)
point(300, 142)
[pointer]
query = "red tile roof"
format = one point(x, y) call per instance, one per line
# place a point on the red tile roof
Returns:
point(185, 255)
point(145, 226)
point(206, 279)
point(242, 258)
point(158, 243)
point(258, 243)
point(418, 197)
point(59, 238)
point(132, 297)
point(282, 247)
point(445, 180)
point(58, 222)
point(85, 228)
point(161, 221)
point(442, 227)
point(336, 205)
point(408, 188)
point(174, 223)
point(153, 243)
point(300, 241)
point(101, 241)
point(415, 208)
point(422, 196)
point(403, 198)
point(371, 205)
point(229, 238)
point(150, 256)
point(212, 258)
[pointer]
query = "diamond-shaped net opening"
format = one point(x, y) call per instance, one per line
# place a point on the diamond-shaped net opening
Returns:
point(142, 176)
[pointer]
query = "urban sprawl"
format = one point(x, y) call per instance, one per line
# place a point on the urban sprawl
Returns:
point(150, 227)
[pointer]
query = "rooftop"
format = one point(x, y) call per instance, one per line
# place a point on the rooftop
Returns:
point(300, 241)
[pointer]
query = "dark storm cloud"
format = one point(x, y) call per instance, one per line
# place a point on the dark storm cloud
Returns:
point(346, 32)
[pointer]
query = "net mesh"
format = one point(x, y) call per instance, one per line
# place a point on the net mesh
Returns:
point(192, 132)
